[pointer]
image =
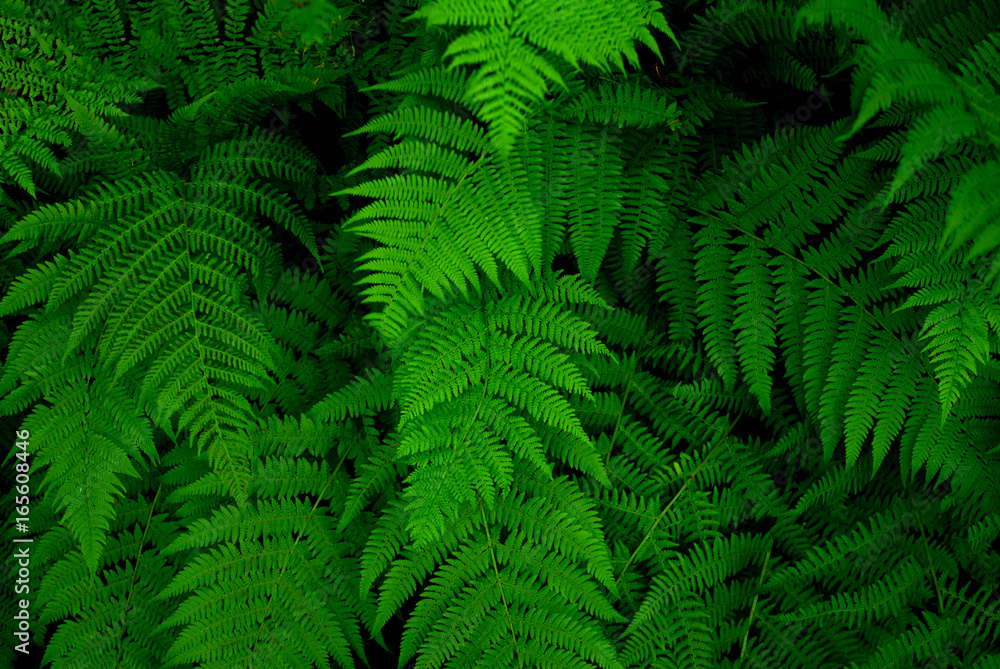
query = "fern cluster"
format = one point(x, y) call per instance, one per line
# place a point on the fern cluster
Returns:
point(563, 366)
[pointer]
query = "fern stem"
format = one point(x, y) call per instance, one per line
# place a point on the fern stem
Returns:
point(927, 549)
point(503, 597)
point(723, 440)
point(138, 559)
point(868, 312)
point(607, 456)
point(753, 607)
point(295, 543)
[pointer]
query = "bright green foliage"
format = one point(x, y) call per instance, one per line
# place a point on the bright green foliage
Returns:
point(511, 72)
point(572, 368)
